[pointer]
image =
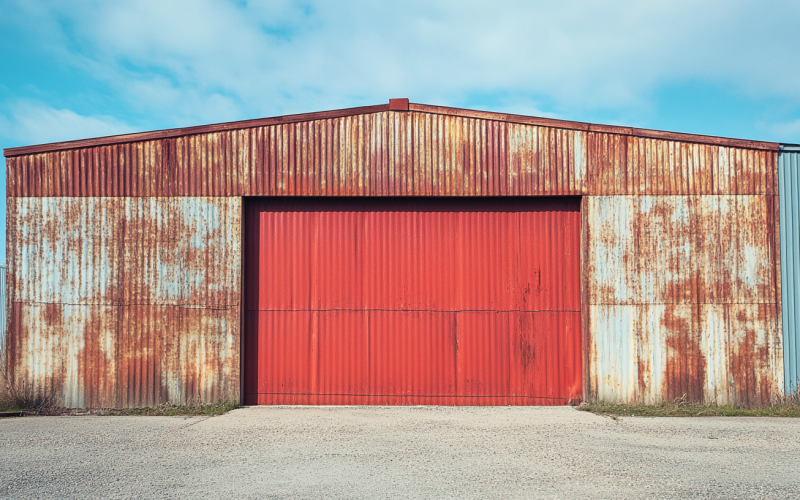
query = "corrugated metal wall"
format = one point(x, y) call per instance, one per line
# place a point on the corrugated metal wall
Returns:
point(423, 301)
point(707, 303)
point(789, 172)
point(396, 154)
point(126, 301)
point(3, 317)
point(683, 299)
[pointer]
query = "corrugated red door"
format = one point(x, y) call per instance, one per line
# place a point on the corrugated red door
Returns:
point(412, 301)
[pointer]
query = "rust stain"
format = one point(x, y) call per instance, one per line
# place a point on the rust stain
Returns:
point(96, 370)
point(52, 315)
point(683, 250)
point(748, 360)
point(685, 264)
point(527, 344)
point(685, 369)
point(395, 153)
point(643, 363)
point(126, 301)
point(642, 368)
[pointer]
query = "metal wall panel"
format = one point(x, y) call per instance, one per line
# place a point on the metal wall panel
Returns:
point(3, 316)
point(628, 165)
point(682, 293)
point(789, 172)
point(682, 249)
point(125, 301)
point(400, 301)
point(721, 353)
point(395, 153)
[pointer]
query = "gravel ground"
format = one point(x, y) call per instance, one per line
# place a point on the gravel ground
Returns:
point(411, 452)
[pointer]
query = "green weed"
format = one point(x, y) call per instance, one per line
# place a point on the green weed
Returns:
point(788, 406)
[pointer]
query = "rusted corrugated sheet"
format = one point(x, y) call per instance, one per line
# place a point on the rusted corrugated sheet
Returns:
point(126, 301)
point(628, 165)
point(682, 293)
point(404, 301)
point(395, 153)
point(3, 318)
point(394, 105)
point(714, 353)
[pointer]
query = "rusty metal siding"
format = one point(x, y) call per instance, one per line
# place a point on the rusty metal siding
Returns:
point(715, 353)
point(3, 317)
point(682, 294)
point(681, 249)
point(627, 165)
point(395, 154)
point(126, 301)
point(394, 105)
point(789, 172)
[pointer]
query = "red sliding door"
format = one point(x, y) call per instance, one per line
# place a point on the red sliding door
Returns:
point(412, 301)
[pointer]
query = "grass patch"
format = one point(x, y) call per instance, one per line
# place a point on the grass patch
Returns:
point(171, 410)
point(191, 409)
point(20, 395)
point(785, 407)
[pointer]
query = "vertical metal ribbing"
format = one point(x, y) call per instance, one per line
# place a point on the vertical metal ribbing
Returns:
point(789, 190)
point(3, 307)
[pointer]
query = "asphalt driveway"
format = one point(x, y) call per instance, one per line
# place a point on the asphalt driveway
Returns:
point(396, 452)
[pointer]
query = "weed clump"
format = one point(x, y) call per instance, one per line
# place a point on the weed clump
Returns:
point(192, 408)
point(785, 406)
point(20, 395)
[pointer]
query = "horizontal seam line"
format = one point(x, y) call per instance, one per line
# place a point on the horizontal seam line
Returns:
point(416, 310)
point(183, 306)
point(395, 395)
point(686, 304)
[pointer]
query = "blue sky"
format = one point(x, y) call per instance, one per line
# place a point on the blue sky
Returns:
point(86, 68)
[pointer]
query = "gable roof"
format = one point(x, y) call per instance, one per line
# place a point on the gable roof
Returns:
point(400, 105)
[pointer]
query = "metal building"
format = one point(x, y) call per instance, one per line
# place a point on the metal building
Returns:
point(789, 182)
point(399, 254)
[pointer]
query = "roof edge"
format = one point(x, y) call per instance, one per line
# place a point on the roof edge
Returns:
point(199, 129)
point(394, 105)
point(591, 127)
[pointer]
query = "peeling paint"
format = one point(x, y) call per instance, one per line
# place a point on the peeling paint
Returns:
point(126, 301)
point(683, 300)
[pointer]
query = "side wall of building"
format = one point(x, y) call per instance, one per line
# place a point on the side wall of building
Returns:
point(789, 178)
point(121, 302)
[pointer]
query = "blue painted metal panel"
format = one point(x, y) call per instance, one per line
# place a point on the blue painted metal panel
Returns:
point(789, 188)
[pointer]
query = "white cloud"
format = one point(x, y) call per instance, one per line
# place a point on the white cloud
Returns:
point(31, 122)
point(204, 60)
point(784, 131)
